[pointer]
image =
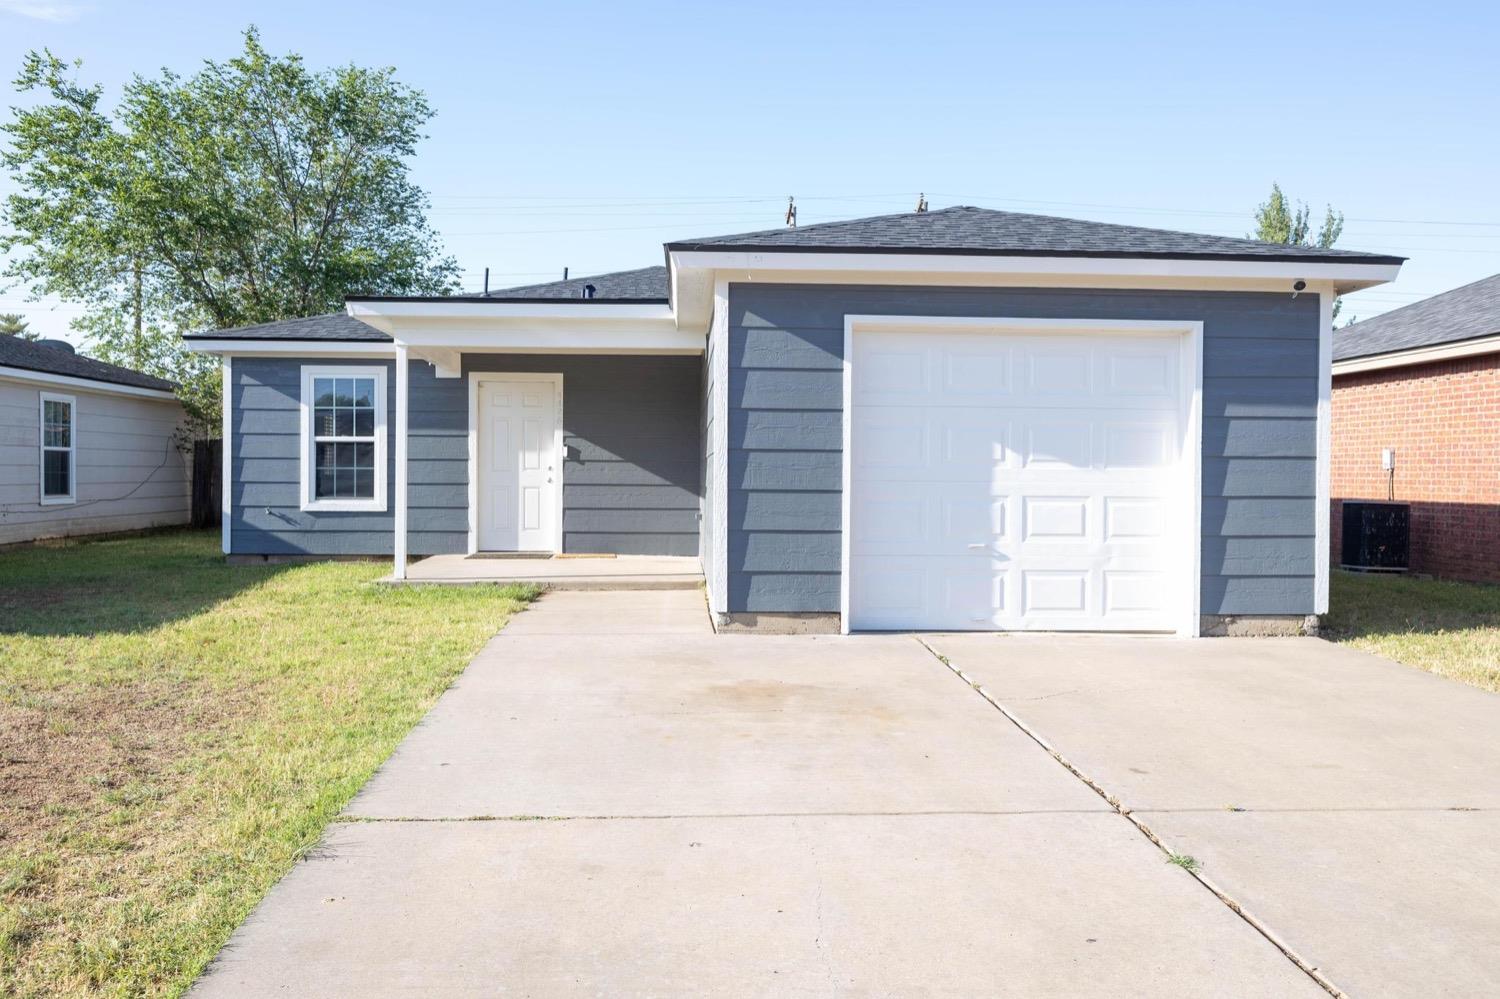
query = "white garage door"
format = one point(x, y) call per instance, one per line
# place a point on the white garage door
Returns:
point(1004, 481)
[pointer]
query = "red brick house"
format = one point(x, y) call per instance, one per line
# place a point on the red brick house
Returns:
point(1424, 380)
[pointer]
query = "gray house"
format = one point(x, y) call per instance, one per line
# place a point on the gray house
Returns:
point(957, 419)
point(85, 447)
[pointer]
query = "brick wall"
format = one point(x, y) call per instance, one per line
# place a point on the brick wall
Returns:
point(1443, 419)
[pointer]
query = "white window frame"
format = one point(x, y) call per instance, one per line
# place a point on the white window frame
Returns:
point(43, 447)
point(310, 502)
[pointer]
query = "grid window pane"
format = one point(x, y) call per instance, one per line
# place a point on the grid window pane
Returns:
point(57, 424)
point(56, 473)
point(345, 470)
point(343, 427)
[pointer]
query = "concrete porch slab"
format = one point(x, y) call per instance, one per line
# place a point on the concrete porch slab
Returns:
point(622, 572)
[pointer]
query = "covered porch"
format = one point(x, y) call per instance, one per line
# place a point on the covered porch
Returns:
point(564, 436)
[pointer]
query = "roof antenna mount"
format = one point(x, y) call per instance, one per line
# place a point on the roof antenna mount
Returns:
point(791, 212)
point(486, 282)
point(921, 203)
point(565, 273)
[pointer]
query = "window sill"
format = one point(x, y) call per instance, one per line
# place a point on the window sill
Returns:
point(57, 500)
point(344, 506)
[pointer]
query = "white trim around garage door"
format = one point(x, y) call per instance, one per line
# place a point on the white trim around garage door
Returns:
point(1190, 467)
point(475, 378)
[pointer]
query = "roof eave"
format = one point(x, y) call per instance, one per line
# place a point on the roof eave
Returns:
point(166, 390)
point(1425, 354)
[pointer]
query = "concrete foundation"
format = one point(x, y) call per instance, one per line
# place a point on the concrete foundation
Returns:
point(1258, 625)
point(778, 624)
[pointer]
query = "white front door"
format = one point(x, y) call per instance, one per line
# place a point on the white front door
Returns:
point(1005, 481)
point(519, 465)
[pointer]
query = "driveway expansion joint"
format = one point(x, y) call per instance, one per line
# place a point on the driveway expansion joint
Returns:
point(1255, 923)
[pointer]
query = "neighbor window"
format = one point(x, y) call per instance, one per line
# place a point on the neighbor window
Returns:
point(58, 466)
point(343, 447)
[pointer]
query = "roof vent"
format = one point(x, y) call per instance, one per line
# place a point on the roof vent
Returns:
point(62, 345)
point(588, 291)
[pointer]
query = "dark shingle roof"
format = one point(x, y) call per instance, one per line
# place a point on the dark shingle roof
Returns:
point(18, 353)
point(1461, 314)
point(336, 326)
point(645, 284)
point(966, 230)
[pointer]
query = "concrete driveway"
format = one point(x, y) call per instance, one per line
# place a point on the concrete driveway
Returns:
point(1350, 803)
point(612, 800)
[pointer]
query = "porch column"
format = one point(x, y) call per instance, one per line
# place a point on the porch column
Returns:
point(400, 509)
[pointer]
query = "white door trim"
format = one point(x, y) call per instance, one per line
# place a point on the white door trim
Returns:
point(1190, 540)
point(475, 379)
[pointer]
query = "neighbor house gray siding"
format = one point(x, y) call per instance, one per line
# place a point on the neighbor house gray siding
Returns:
point(630, 484)
point(130, 473)
point(785, 401)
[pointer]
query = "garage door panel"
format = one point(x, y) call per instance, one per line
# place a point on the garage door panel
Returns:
point(1055, 519)
point(1135, 519)
point(1003, 481)
point(914, 592)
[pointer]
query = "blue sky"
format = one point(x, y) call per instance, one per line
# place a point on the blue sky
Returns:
point(586, 134)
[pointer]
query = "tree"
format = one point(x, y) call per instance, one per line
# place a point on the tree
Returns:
point(254, 190)
point(12, 324)
point(1277, 221)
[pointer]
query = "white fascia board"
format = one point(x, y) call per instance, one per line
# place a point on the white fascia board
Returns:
point(570, 338)
point(283, 348)
point(1420, 355)
point(843, 267)
point(84, 384)
point(562, 309)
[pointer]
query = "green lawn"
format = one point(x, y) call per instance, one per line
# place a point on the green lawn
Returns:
point(1452, 629)
point(175, 733)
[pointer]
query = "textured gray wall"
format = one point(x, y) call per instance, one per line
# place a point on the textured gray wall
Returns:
point(630, 485)
point(130, 474)
point(786, 346)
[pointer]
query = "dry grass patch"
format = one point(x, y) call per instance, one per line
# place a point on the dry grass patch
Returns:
point(175, 733)
point(1452, 629)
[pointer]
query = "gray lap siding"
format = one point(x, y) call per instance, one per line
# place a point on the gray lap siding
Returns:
point(785, 402)
point(630, 484)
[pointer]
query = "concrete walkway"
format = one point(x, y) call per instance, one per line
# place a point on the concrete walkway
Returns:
point(612, 800)
point(1351, 803)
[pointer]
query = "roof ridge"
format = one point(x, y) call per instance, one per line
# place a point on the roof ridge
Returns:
point(999, 230)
